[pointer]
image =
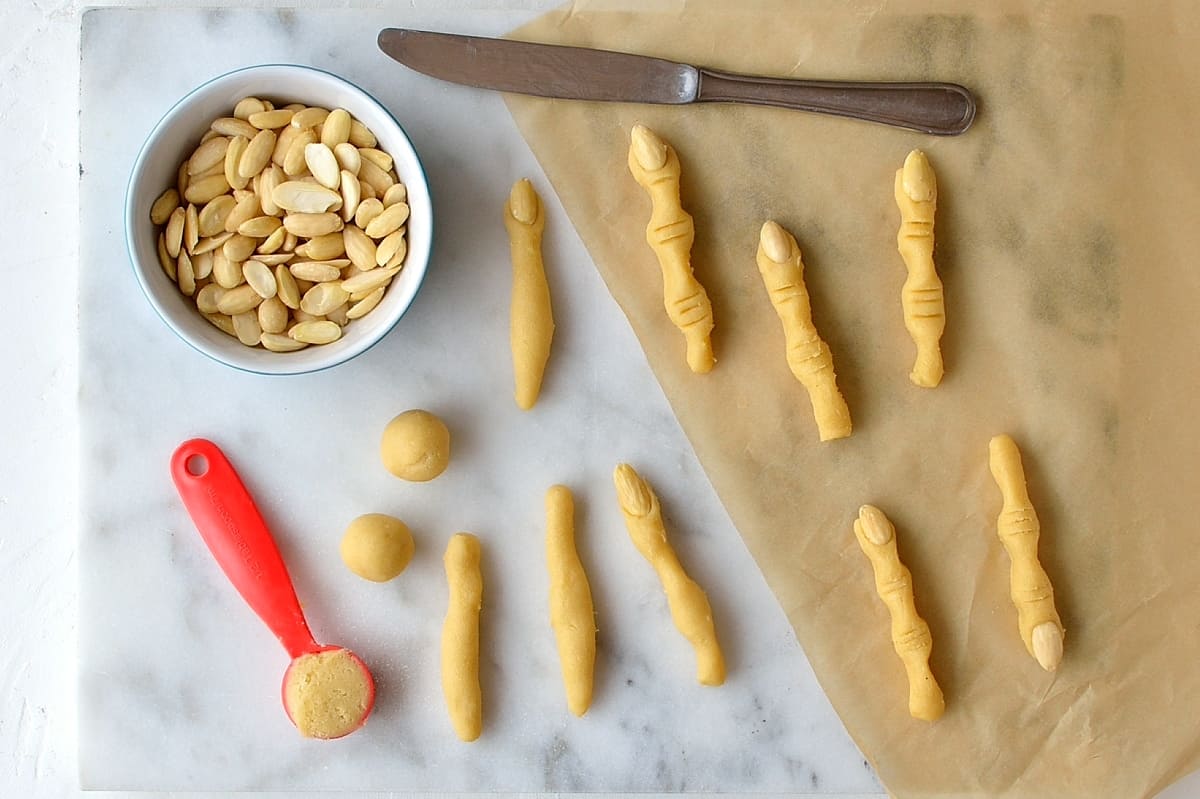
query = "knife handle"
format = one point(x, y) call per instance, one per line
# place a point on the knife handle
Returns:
point(943, 109)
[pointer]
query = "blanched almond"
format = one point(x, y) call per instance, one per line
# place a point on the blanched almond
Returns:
point(309, 225)
point(191, 228)
point(368, 209)
point(347, 157)
point(322, 248)
point(258, 153)
point(205, 189)
point(239, 248)
point(273, 242)
point(174, 232)
point(164, 258)
point(246, 328)
point(351, 194)
point(239, 300)
point(322, 164)
point(260, 227)
point(233, 157)
point(323, 298)
point(268, 180)
point(336, 128)
point(379, 179)
point(211, 220)
point(301, 197)
point(184, 274)
point(222, 322)
point(246, 209)
point(366, 304)
point(232, 126)
point(276, 342)
point(396, 194)
point(359, 247)
point(309, 117)
point(392, 244)
point(273, 315)
point(293, 161)
point(390, 220)
point(368, 280)
point(226, 273)
point(283, 142)
point(164, 206)
point(269, 120)
point(324, 332)
point(286, 288)
point(247, 106)
point(207, 297)
point(210, 243)
point(377, 157)
point(202, 264)
point(274, 258)
point(361, 135)
point(316, 271)
point(258, 276)
point(208, 154)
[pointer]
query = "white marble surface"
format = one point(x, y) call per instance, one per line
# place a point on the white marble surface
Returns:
point(38, 509)
point(179, 681)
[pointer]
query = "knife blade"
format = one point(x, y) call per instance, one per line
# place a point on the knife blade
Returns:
point(580, 73)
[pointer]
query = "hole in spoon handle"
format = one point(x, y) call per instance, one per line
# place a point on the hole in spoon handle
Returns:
point(232, 527)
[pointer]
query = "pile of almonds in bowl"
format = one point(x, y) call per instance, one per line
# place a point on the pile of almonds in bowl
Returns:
point(286, 224)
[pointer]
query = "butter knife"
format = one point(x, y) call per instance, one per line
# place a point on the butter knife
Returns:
point(580, 73)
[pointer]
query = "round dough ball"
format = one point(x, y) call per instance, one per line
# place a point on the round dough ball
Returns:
point(377, 547)
point(416, 446)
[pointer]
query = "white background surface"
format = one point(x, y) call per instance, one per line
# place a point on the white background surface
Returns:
point(38, 482)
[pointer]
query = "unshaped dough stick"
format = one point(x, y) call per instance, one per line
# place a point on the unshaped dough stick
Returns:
point(531, 319)
point(689, 605)
point(460, 637)
point(922, 297)
point(782, 270)
point(572, 615)
point(1019, 530)
point(670, 233)
point(910, 634)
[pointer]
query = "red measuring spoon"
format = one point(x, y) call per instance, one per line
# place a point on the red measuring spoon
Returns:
point(234, 530)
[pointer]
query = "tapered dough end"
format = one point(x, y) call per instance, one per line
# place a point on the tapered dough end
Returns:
point(633, 493)
point(1004, 459)
point(875, 526)
point(648, 148)
point(917, 178)
point(928, 370)
point(776, 243)
point(1048, 645)
point(700, 356)
point(711, 669)
point(523, 202)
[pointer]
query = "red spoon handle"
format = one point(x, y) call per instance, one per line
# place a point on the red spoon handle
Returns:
point(229, 522)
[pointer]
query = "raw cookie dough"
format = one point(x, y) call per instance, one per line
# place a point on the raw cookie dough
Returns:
point(327, 694)
point(416, 446)
point(531, 320)
point(377, 547)
point(922, 296)
point(460, 637)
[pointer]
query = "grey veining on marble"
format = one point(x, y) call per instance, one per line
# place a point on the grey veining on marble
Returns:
point(180, 681)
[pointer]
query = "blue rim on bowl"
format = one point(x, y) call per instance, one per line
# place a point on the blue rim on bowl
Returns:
point(205, 338)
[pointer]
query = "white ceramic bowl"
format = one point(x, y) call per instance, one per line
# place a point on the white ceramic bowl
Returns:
point(174, 138)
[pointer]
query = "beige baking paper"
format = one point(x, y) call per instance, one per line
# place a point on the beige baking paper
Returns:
point(1067, 239)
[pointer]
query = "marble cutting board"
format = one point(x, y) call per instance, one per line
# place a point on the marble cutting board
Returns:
point(179, 681)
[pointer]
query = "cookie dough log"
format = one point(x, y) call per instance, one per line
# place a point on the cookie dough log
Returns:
point(782, 270)
point(922, 297)
point(1019, 530)
point(531, 318)
point(689, 605)
point(572, 615)
point(910, 634)
point(670, 233)
point(460, 637)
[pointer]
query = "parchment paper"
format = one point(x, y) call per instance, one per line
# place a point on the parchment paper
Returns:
point(1066, 239)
